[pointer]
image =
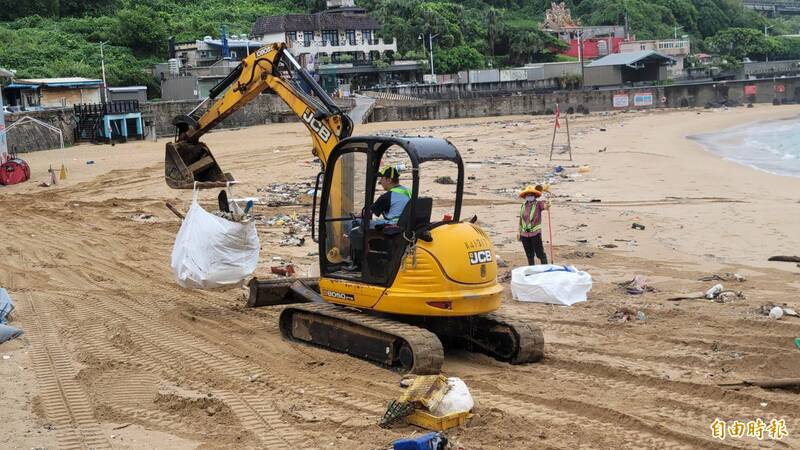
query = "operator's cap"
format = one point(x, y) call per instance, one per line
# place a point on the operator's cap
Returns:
point(389, 172)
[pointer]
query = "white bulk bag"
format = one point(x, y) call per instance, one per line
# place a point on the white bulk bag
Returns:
point(549, 283)
point(456, 400)
point(212, 252)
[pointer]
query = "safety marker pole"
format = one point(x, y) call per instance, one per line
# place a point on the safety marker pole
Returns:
point(550, 229)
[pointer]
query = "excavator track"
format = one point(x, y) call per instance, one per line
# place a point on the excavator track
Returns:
point(502, 337)
point(527, 340)
point(393, 344)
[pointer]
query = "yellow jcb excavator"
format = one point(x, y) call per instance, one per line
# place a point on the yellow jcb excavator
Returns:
point(411, 287)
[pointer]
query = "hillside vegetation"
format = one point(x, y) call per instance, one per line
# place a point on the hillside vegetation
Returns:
point(45, 38)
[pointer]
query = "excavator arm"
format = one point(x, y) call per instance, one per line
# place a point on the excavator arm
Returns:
point(270, 68)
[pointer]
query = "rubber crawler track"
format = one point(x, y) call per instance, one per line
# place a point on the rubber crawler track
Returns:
point(426, 347)
point(531, 339)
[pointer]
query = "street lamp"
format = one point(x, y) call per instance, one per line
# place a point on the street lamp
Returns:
point(430, 46)
point(766, 55)
point(103, 66)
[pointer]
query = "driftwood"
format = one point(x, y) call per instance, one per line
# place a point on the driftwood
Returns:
point(778, 383)
point(794, 259)
point(690, 296)
point(174, 210)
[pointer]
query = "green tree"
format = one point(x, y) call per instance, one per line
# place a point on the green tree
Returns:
point(738, 43)
point(494, 29)
point(531, 46)
point(142, 29)
point(455, 59)
point(14, 9)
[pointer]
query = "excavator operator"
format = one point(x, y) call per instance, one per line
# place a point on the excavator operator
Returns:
point(390, 205)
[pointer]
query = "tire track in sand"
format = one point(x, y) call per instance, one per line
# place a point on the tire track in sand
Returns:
point(63, 398)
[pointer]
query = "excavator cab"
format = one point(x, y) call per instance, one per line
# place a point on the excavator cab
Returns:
point(353, 244)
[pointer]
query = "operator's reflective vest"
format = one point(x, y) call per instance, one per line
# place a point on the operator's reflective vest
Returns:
point(528, 226)
point(396, 208)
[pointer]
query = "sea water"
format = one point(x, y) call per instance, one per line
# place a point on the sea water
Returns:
point(769, 146)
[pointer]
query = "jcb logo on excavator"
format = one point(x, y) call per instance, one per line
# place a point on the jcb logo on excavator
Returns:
point(480, 257)
point(322, 131)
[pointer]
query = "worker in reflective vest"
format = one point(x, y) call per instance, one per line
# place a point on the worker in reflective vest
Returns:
point(530, 223)
point(392, 202)
point(390, 205)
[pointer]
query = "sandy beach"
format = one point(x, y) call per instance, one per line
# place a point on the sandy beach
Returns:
point(117, 355)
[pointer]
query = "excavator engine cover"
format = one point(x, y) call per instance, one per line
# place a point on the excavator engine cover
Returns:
point(186, 163)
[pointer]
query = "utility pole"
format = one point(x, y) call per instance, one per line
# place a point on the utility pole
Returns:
point(580, 55)
point(103, 66)
point(430, 51)
point(766, 35)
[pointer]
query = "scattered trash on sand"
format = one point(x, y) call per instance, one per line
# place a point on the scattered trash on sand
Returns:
point(288, 194)
point(727, 276)
point(286, 270)
point(444, 180)
point(433, 402)
point(714, 291)
point(637, 226)
point(637, 286)
point(626, 314)
point(776, 311)
point(429, 441)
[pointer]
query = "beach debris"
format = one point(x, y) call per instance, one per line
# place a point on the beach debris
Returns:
point(637, 286)
point(433, 402)
point(714, 291)
point(609, 246)
point(286, 270)
point(444, 180)
point(90, 162)
point(292, 241)
point(602, 150)
point(504, 277)
point(579, 254)
point(768, 383)
point(432, 441)
point(174, 210)
point(501, 262)
point(794, 259)
point(724, 277)
point(626, 314)
point(288, 194)
point(775, 311)
point(637, 226)
point(797, 343)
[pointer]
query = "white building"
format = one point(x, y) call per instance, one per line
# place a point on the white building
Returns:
point(343, 33)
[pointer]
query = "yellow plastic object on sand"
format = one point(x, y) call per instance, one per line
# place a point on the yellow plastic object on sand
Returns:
point(425, 393)
point(438, 423)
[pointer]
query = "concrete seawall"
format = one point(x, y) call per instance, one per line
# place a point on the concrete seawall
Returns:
point(781, 90)
point(270, 108)
point(30, 137)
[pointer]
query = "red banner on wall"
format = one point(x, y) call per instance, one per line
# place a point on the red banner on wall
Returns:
point(780, 88)
point(750, 89)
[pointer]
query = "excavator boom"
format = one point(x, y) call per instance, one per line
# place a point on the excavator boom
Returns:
point(270, 68)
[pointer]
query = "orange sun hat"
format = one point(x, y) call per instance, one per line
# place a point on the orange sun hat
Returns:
point(529, 190)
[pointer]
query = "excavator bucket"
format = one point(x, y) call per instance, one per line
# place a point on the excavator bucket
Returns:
point(185, 164)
